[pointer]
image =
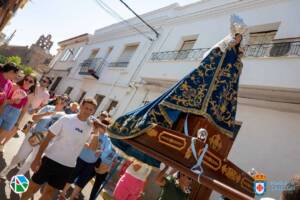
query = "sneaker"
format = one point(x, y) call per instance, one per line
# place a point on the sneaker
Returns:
point(1, 148)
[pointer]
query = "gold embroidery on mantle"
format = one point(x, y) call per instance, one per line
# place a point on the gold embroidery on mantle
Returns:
point(152, 133)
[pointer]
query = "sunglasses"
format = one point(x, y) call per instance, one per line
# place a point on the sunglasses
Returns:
point(28, 80)
point(44, 81)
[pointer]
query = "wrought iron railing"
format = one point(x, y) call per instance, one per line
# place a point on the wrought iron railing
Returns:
point(92, 66)
point(188, 55)
point(118, 64)
point(273, 50)
point(255, 50)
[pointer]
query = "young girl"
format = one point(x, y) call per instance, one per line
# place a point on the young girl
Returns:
point(15, 107)
point(131, 185)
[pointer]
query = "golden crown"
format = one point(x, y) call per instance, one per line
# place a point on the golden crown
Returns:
point(260, 177)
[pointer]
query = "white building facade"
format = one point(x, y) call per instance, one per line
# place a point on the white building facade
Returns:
point(129, 69)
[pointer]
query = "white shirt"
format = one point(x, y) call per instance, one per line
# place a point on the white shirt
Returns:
point(142, 173)
point(40, 97)
point(70, 136)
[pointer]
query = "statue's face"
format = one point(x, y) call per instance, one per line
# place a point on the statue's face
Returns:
point(238, 38)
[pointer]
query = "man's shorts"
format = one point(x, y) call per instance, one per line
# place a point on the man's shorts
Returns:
point(53, 173)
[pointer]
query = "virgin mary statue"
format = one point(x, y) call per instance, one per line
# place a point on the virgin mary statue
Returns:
point(210, 91)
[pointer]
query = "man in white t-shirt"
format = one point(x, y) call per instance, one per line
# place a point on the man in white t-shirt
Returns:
point(67, 136)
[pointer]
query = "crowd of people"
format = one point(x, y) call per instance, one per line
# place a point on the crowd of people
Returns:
point(65, 143)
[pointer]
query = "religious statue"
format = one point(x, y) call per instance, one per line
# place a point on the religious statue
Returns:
point(192, 125)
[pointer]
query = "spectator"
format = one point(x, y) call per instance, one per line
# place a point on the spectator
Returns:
point(27, 152)
point(73, 108)
point(15, 107)
point(37, 100)
point(173, 188)
point(8, 73)
point(292, 191)
point(85, 165)
point(108, 156)
point(132, 183)
point(62, 146)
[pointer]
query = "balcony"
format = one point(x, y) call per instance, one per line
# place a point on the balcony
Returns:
point(92, 67)
point(182, 55)
point(273, 50)
point(256, 50)
point(119, 64)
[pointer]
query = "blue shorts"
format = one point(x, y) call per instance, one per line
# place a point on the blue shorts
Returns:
point(9, 117)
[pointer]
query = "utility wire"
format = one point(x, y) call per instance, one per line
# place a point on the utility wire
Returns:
point(114, 14)
point(156, 33)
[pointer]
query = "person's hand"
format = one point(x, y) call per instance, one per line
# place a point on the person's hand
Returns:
point(15, 101)
point(35, 110)
point(136, 167)
point(16, 127)
point(97, 153)
point(50, 113)
point(35, 165)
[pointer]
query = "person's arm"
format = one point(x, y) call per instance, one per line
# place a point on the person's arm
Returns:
point(37, 161)
point(94, 142)
point(54, 130)
point(160, 179)
point(42, 113)
point(24, 110)
point(12, 101)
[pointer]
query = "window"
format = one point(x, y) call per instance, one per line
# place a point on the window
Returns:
point(125, 57)
point(67, 54)
point(55, 84)
point(187, 44)
point(262, 37)
point(68, 90)
point(185, 49)
point(81, 97)
point(94, 53)
point(113, 104)
point(77, 53)
point(108, 53)
point(260, 43)
point(99, 98)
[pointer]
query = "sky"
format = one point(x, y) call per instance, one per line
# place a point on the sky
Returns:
point(64, 19)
